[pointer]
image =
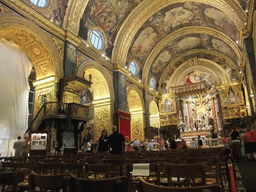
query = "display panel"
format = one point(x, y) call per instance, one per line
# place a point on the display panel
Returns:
point(38, 141)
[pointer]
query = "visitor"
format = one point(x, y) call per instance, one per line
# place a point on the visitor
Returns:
point(235, 144)
point(253, 138)
point(199, 142)
point(89, 146)
point(17, 146)
point(151, 145)
point(146, 144)
point(173, 144)
point(116, 142)
point(183, 144)
point(161, 144)
point(136, 145)
point(193, 143)
point(248, 145)
point(25, 146)
point(102, 148)
point(225, 141)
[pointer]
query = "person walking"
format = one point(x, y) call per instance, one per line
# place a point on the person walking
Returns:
point(116, 142)
point(17, 146)
point(248, 145)
point(102, 147)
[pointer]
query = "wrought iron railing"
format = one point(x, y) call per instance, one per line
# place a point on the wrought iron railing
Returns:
point(60, 110)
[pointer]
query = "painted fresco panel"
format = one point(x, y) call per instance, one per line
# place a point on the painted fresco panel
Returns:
point(175, 17)
point(221, 61)
point(55, 12)
point(187, 43)
point(108, 14)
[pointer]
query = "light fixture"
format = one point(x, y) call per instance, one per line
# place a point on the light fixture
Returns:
point(130, 74)
point(139, 80)
point(246, 10)
point(237, 42)
point(240, 71)
point(125, 67)
point(103, 55)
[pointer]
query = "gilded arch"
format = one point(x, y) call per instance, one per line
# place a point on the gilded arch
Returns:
point(103, 95)
point(38, 46)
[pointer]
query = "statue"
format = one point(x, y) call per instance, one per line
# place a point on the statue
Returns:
point(181, 126)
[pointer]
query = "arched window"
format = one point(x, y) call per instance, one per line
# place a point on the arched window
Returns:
point(40, 3)
point(134, 68)
point(153, 82)
point(97, 39)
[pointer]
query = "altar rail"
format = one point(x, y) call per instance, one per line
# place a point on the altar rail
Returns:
point(60, 110)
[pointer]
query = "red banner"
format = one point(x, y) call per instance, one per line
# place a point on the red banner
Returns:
point(125, 124)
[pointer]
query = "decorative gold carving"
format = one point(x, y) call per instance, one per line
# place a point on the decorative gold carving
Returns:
point(4, 9)
point(154, 115)
point(35, 42)
point(137, 126)
point(99, 83)
point(134, 101)
point(73, 15)
point(101, 120)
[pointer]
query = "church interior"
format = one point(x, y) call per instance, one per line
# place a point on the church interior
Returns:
point(170, 68)
point(175, 68)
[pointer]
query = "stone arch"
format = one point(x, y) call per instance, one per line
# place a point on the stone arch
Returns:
point(103, 95)
point(35, 42)
point(137, 109)
point(154, 117)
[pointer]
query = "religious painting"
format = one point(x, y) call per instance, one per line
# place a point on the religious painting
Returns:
point(174, 17)
point(232, 97)
point(198, 76)
point(86, 97)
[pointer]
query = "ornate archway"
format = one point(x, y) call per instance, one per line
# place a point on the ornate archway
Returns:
point(103, 95)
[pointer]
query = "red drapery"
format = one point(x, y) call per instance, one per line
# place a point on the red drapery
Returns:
point(125, 124)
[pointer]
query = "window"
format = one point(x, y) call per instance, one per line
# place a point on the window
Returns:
point(97, 39)
point(40, 3)
point(134, 68)
point(152, 82)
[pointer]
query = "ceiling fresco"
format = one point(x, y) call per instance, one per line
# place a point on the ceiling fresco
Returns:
point(189, 42)
point(108, 14)
point(175, 17)
point(196, 76)
point(220, 60)
point(54, 11)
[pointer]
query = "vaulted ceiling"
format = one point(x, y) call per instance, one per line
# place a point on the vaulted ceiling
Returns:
point(169, 39)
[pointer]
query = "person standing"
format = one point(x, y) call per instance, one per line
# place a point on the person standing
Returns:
point(253, 139)
point(199, 142)
point(102, 147)
point(25, 146)
point(136, 145)
point(116, 142)
point(193, 143)
point(248, 144)
point(235, 144)
point(17, 146)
